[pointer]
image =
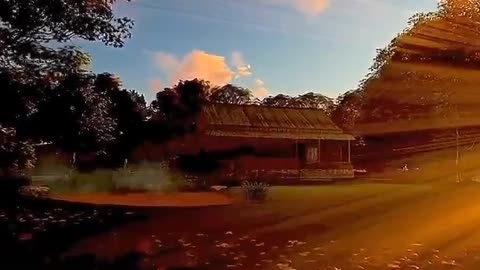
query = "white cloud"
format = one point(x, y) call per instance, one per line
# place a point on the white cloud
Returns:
point(242, 68)
point(259, 82)
point(165, 61)
point(197, 64)
point(260, 90)
point(202, 65)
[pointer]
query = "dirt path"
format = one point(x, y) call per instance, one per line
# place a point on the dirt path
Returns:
point(184, 199)
point(347, 227)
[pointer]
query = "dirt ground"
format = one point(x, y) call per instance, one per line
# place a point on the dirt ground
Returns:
point(184, 199)
point(341, 227)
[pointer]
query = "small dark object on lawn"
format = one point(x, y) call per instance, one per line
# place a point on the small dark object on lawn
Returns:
point(255, 191)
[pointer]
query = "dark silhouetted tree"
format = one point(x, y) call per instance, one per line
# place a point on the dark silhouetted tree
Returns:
point(27, 28)
point(347, 110)
point(34, 74)
point(231, 94)
point(309, 100)
point(280, 100)
point(315, 101)
point(175, 110)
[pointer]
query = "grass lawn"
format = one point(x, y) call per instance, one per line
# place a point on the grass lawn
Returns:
point(349, 226)
point(358, 226)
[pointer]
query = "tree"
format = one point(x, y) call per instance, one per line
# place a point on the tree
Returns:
point(308, 101)
point(279, 100)
point(15, 155)
point(175, 110)
point(28, 27)
point(347, 110)
point(316, 101)
point(82, 110)
point(34, 75)
point(129, 111)
point(18, 102)
point(231, 94)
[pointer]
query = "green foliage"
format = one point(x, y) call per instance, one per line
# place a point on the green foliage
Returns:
point(255, 191)
point(97, 181)
point(279, 100)
point(231, 94)
point(83, 115)
point(40, 82)
point(129, 112)
point(28, 27)
point(51, 165)
point(347, 110)
point(16, 156)
point(174, 112)
point(35, 191)
point(156, 177)
point(349, 105)
point(308, 101)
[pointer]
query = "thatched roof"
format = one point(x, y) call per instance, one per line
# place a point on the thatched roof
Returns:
point(269, 122)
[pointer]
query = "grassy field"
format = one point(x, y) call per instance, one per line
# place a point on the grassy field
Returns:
point(358, 226)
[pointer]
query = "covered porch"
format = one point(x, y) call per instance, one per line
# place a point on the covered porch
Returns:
point(272, 159)
point(324, 159)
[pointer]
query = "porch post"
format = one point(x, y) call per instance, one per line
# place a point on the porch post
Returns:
point(319, 151)
point(296, 149)
point(349, 155)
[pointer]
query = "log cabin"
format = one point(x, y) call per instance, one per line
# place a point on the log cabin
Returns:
point(267, 143)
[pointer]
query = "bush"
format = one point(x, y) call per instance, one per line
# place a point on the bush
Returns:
point(195, 183)
point(96, 181)
point(255, 191)
point(35, 191)
point(148, 177)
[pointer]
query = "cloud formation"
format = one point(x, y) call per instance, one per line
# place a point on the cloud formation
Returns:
point(260, 90)
point(242, 69)
point(165, 61)
point(156, 85)
point(202, 65)
point(308, 7)
point(311, 7)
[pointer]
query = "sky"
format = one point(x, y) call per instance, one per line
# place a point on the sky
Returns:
point(268, 46)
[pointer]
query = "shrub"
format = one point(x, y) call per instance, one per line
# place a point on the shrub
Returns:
point(196, 183)
point(96, 181)
point(255, 191)
point(148, 177)
point(35, 191)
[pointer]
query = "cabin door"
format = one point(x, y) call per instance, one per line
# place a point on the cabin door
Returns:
point(302, 154)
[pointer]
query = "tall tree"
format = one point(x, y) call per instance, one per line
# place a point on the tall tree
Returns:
point(347, 110)
point(279, 100)
point(175, 110)
point(231, 94)
point(308, 101)
point(316, 101)
point(29, 61)
point(129, 111)
point(83, 115)
point(28, 27)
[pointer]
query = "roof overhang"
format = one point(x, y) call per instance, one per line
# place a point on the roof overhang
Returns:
point(279, 134)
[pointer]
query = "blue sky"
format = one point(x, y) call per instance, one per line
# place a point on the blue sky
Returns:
point(269, 46)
